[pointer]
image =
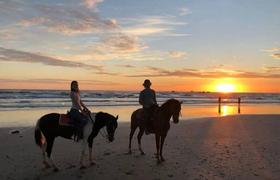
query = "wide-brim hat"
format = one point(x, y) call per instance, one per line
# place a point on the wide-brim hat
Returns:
point(147, 82)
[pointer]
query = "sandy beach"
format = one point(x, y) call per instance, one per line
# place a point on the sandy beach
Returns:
point(229, 147)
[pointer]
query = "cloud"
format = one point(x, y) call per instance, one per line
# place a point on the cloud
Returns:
point(271, 50)
point(120, 44)
point(177, 54)
point(7, 34)
point(275, 52)
point(276, 55)
point(113, 47)
point(68, 20)
point(272, 69)
point(89, 36)
point(160, 72)
point(92, 3)
point(184, 11)
point(144, 31)
point(151, 26)
point(7, 6)
point(58, 81)
point(127, 66)
point(11, 55)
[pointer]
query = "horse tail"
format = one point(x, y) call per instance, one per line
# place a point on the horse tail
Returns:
point(134, 120)
point(38, 135)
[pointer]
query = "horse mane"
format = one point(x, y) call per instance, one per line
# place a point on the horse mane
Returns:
point(103, 115)
point(166, 103)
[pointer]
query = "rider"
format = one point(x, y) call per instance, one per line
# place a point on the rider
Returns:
point(147, 99)
point(78, 110)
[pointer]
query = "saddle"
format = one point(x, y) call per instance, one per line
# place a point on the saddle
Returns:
point(64, 120)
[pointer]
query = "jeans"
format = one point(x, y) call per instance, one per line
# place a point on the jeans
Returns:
point(79, 121)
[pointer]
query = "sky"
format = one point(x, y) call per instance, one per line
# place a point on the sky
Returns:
point(180, 45)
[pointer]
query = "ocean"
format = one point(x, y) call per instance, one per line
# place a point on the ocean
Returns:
point(21, 108)
point(18, 99)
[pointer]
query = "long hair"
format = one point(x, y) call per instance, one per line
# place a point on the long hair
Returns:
point(72, 87)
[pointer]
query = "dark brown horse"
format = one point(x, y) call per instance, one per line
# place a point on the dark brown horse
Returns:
point(161, 124)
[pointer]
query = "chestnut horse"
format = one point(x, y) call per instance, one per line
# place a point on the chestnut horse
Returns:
point(48, 128)
point(161, 124)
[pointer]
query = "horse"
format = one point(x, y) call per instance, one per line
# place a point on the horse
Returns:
point(160, 122)
point(48, 128)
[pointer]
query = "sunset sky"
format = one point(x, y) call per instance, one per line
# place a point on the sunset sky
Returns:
point(180, 45)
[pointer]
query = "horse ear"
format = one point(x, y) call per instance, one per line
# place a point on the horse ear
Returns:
point(181, 102)
point(117, 117)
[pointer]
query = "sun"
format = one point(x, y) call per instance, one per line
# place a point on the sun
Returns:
point(225, 85)
point(225, 88)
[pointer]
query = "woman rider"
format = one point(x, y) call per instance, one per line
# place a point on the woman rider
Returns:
point(78, 110)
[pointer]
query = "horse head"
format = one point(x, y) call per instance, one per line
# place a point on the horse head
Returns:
point(111, 127)
point(176, 111)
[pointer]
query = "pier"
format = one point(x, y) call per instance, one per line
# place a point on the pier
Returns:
point(220, 101)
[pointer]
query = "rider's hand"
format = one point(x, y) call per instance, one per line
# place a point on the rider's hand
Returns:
point(86, 111)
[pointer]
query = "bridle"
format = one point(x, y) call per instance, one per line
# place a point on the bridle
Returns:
point(102, 130)
point(105, 133)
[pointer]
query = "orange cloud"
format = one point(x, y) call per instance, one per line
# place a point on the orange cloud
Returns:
point(221, 73)
point(276, 55)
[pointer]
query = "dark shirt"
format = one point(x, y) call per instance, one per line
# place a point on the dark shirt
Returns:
point(147, 98)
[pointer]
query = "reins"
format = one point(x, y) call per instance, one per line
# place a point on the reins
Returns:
point(103, 133)
point(89, 114)
point(102, 130)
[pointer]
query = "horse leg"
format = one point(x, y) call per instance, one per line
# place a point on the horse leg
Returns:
point(161, 146)
point(45, 163)
point(157, 145)
point(132, 130)
point(139, 136)
point(50, 142)
point(90, 142)
point(82, 166)
point(90, 157)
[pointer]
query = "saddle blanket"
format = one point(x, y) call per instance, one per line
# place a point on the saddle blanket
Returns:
point(64, 120)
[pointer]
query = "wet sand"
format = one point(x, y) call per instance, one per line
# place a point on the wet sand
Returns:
point(229, 147)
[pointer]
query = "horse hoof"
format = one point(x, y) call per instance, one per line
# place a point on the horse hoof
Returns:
point(142, 153)
point(158, 161)
point(55, 169)
point(162, 159)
